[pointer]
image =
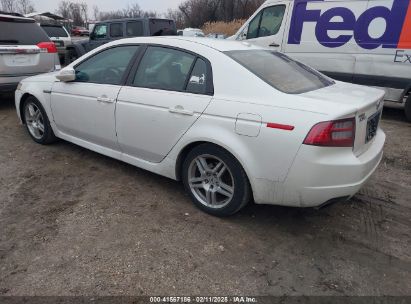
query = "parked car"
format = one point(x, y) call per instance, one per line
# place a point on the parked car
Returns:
point(217, 36)
point(61, 38)
point(191, 32)
point(366, 42)
point(110, 30)
point(231, 120)
point(25, 50)
point(80, 31)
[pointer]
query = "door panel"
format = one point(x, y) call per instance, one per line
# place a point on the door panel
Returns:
point(165, 96)
point(150, 122)
point(383, 56)
point(85, 108)
point(267, 28)
point(86, 111)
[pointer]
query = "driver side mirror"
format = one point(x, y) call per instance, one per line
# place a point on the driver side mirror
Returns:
point(92, 36)
point(66, 75)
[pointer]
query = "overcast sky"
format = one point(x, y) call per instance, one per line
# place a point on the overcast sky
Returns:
point(160, 6)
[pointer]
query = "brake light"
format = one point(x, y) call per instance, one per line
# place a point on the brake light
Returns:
point(337, 133)
point(47, 47)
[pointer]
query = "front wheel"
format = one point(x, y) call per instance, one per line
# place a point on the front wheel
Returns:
point(37, 122)
point(215, 180)
point(408, 108)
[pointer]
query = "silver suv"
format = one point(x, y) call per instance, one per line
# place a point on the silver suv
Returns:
point(25, 50)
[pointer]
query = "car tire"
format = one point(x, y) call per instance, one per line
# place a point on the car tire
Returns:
point(215, 180)
point(408, 108)
point(37, 122)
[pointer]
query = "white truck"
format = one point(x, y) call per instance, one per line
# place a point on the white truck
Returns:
point(365, 42)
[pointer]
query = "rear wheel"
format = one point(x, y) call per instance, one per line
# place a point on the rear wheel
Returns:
point(37, 122)
point(408, 108)
point(215, 180)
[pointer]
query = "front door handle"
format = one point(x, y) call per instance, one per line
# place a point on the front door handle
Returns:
point(105, 99)
point(274, 44)
point(181, 110)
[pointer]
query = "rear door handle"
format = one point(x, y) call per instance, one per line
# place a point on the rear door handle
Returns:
point(181, 110)
point(274, 44)
point(105, 99)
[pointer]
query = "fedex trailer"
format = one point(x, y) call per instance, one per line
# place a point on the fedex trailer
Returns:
point(365, 42)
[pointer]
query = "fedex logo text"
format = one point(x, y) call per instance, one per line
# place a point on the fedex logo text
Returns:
point(397, 33)
point(402, 57)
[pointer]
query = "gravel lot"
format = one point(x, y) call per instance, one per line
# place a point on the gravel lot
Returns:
point(73, 222)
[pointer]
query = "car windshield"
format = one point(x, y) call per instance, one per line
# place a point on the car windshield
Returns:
point(280, 71)
point(54, 31)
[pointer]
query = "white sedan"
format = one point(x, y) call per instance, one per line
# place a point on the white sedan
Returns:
point(234, 122)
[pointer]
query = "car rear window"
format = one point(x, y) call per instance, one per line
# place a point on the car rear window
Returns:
point(162, 27)
point(21, 33)
point(280, 71)
point(54, 31)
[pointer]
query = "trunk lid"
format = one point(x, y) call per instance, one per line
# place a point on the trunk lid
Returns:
point(348, 100)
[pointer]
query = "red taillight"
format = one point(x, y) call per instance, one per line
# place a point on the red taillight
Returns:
point(337, 133)
point(48, 47)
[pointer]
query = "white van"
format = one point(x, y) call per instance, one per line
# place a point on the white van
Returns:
point(360, 41)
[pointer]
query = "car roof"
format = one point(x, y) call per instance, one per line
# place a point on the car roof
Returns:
point(219, 45)
point(16, 17)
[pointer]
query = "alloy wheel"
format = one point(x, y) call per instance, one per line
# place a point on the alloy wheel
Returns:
point(211, 181)
point(34, 120)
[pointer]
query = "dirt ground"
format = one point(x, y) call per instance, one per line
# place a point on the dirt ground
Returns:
point(73, 222)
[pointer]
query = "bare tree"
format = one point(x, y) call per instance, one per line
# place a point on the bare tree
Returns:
point(84, 11)
point(78, 12)
point(177, 16)
point(131, 11)
point(96, 13)
point(64, 9)
point(9, 6)
point(25, 6)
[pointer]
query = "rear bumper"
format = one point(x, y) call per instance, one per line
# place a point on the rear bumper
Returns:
point(320, 175)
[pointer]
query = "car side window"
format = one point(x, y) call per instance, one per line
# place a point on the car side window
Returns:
point(271, 20)
point(135, 29)
point(198, 78)
point(164, 69)
point(106, 67)
point(100, 31)
point(116, 30)
point(267, 22)
point(253, 27)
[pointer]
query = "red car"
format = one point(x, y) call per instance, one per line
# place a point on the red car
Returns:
point(80, 31)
